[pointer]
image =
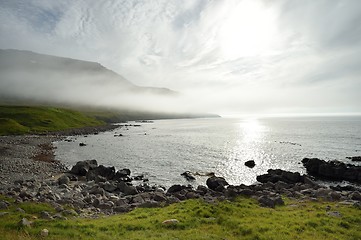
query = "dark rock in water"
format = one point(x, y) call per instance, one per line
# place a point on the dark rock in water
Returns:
point(82, 144)
point(139, 178)
point(250, 164)
point(122, 175)
point(81, 168)
point(333, 170)
point(275, 175)
point(355, 159)
point(216, 183)
point(188, 175)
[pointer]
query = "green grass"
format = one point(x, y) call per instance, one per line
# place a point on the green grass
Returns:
point(22, 120)
point(239, 219)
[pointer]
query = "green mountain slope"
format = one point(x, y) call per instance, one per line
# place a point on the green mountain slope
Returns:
point(21, 120)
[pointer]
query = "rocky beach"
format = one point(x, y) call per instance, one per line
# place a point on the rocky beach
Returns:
point(28, 172)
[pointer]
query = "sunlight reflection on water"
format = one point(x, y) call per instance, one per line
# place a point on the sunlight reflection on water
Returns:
point(217, 145)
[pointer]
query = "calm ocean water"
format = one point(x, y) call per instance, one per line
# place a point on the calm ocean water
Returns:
point(164, 149)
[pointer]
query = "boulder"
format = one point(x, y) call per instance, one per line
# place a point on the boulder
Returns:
point(216, 183)
point(100, 171)
point(81, 168)
point(127, 189)
point(176, 188)
point(271, 202)
point(63, 180)
point(333, 170)
point(276, 175)
point(122, 175)
point(25, 223)
point(250, 163)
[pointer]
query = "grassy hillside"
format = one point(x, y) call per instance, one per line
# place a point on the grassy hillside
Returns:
point(241, 219)
point(21, 120)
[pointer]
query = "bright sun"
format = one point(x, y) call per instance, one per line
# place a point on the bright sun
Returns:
point(249, 30)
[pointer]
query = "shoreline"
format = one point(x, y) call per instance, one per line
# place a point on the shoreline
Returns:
point(29, 172)
point(24, 157)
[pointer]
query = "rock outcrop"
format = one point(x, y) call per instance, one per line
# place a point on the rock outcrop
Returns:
point(333, 170)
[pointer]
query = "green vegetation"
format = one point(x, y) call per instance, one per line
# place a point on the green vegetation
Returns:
point(239, 219)
point(21, 120)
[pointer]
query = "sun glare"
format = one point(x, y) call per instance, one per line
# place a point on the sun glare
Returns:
point(249, 30)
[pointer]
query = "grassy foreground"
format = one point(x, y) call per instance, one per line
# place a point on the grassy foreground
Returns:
point(22, 120)
point(240, 219)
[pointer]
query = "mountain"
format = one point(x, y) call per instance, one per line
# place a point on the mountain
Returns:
point(40, 78)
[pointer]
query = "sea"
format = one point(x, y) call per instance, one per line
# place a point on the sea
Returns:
point(162, 150)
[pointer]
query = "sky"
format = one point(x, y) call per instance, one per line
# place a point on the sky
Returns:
point(223, 56)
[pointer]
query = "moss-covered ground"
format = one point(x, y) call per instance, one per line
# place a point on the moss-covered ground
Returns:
point(242, 218)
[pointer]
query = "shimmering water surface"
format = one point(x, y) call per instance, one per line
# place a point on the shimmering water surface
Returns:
point(162, 150)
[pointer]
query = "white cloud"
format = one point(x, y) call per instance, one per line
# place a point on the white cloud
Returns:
point(224, 55)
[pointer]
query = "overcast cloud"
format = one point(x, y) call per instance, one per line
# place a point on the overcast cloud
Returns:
point(227, 56)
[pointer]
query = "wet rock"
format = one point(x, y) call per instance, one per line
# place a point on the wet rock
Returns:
point(250, 163)
point(216, 183)
point(188, 175)
point(275, 175)
point(333, 170)
point(81, 168)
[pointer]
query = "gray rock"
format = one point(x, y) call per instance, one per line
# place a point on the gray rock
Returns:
point(334, 214)
point(4, 204)
point(25, 223)
point(216, 183)
point(159, 197)
point(122, 208)
point(63, 180)
point(81, 168)
point(45, 215)
point(150, 204)
point(126, 189)
point(250, 163)
point(20, 210)
point(355, 196)
point(109, 187)
point(267, 201)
